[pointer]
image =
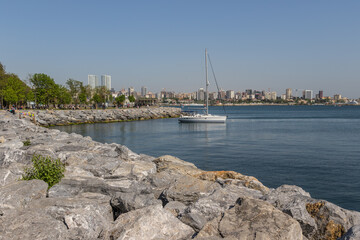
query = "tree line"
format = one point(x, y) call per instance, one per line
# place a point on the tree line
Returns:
point(42, 90)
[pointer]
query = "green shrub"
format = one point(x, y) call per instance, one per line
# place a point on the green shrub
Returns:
point(27, 143)
point(45, 168)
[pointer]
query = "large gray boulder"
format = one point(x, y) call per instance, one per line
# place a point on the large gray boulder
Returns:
point(151, 222)
point(31, 225)
point(73, 186)
point(20, 194)
point(252, 219)
point(11, 174)
point(123, 202)
point(221, 200)
point(89, 214)
point(188, 190)
point(318, 219)
point(84, 217)
point(292, 200)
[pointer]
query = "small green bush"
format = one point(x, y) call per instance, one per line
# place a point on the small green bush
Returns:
point(45, 168)
point(27, 143)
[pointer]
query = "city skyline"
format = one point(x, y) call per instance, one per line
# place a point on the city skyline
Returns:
point(277, 45)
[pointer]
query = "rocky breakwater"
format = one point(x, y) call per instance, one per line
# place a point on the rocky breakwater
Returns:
point(110, 192)
point(66, 117)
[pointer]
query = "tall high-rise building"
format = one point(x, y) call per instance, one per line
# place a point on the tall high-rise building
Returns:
point(93, 81)
point(131, 91)
point(143, 91)
point(270, 95)
point(201, 94)
point(106, 81)
point(321, 94)
point(230, 94)
point(288, 93)
point(221, 94)
point(308, 94)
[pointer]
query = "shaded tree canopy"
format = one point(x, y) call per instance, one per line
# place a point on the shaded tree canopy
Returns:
point(131, 98)
point(45, 88)
point(120, 100)
point(13, 91)
point(75, 88)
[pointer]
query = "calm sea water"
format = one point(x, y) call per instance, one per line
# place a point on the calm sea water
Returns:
point(314, 147)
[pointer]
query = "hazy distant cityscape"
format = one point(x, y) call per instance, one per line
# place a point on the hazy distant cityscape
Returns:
point(290, 96)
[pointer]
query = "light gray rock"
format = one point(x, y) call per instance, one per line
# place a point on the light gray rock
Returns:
point(136, 169)
point(188, 190)
point(194, 220)
point(221, 200)
point(89, 214)
point(175, 208)
point(9, 156)
point(152, 222)
point(31, 225)
point(11, 173)
point(71, 187)
point(292, 200)
point(20, 194)
point(318, 219)
point(124, 202)
point(253, 219)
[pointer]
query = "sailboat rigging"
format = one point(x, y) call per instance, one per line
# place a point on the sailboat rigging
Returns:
point(206, 117)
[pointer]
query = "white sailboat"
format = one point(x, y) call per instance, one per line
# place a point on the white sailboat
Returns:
point(206, 117)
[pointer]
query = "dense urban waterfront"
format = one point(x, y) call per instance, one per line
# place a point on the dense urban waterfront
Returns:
point(315, 147)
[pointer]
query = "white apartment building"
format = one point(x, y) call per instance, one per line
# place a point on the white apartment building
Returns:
point(288, 93)
point(143, 91)
point(106, 81)
point(270, 95)
point(308, 94)
point(93, 81)
point(230, 94)
point(201, 94)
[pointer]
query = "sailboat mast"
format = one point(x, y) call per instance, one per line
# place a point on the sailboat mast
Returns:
point(207, 83)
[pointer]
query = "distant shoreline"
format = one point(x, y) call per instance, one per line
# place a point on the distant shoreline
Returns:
point(270, 104)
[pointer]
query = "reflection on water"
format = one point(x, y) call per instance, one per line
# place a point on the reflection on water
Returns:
point(203, 127)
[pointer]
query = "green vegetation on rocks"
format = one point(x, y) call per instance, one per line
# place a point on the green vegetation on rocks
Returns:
point(27, 143)
point(45, 168)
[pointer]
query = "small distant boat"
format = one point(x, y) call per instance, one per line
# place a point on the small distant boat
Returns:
point(353, 102)
point(206, 117)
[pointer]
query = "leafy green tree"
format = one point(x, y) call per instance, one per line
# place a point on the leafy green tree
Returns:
point(45, 88)
point(131, 98)
point(10, 96)
point(85, 94)
point(75, 88)
point(14, 91)
point(64, 95)
point(96, 99)
point(101, 95)
point(120, 100)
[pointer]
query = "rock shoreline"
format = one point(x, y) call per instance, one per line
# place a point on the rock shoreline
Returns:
point(67, 117)
point(110, 192)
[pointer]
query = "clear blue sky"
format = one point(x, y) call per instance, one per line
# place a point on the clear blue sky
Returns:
point(160, 44)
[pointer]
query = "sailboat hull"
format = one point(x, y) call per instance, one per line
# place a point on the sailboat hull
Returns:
point(201, 118)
